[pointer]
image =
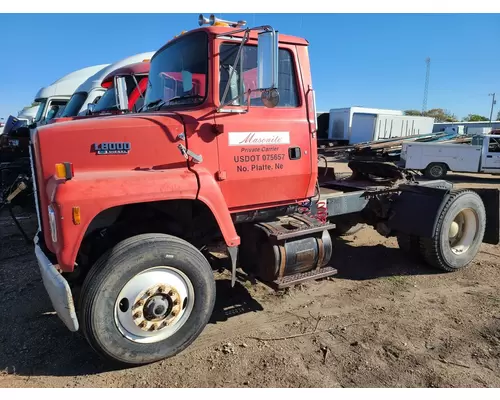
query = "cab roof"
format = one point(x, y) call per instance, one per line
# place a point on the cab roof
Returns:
point(95, 80)
point(221, 30)
point(139, 68)
point(66, 85)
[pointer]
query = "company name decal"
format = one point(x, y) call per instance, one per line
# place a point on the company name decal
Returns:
point(258, 138)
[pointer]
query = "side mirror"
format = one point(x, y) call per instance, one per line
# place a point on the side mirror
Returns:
point(90, 108)
point(121, 93)
point(267, 60)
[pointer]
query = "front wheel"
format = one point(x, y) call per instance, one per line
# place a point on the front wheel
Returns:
point(146, 299)
point(458, 234)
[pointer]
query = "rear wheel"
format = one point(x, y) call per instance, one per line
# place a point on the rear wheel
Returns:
point(435, 171)
point(146, 299)
point(459, 232)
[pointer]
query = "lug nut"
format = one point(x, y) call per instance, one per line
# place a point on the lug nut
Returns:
point(138, 315)
point(149, 292)
point(139, 303)
point(171, 293)
point(174, 313)
point(161, 289)
point(153, 327)
point(176, 302)
point(143, 324)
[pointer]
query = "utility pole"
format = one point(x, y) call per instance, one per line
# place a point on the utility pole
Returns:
point(493, 102)
point(426, 86)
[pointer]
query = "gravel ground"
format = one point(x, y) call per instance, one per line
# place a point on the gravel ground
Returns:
point(384, 321)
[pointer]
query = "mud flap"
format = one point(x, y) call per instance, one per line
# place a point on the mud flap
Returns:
point(416, 210)
point(491, 200)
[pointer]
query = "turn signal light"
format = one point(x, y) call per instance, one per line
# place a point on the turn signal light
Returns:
point(64, 170)
point(76, 215)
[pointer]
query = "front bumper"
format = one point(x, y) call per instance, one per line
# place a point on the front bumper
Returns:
point(58, 290)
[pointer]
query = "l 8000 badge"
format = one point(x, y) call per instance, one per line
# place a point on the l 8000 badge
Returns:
point(111, 148)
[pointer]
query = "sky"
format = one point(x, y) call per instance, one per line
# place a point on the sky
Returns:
point(368, 60)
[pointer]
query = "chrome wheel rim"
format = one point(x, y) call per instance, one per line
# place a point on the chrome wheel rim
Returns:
point(463, 230)
point(154, 304)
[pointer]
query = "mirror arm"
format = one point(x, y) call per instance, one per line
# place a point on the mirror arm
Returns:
point(137, 85)
point(238, 56)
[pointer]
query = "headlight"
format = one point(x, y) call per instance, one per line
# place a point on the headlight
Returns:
point(52, 223)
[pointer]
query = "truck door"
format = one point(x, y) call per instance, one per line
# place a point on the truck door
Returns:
point(491, 155)
point(264, 154)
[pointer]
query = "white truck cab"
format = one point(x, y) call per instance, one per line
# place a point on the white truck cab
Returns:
point(90, 91)
point(28, 114)
point(53, 98)
point(434, 160)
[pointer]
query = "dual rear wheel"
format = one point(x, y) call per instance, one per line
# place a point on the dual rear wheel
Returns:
point(457, 236)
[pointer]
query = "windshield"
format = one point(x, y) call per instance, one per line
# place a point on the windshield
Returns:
point(180, 69)
point(41, 109)
point(75, 104)
point(108, 101)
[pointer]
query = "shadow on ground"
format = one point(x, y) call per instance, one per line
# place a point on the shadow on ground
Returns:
point(372, 262)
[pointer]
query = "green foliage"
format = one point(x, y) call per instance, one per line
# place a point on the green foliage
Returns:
point(439, 114)
point(475, 117)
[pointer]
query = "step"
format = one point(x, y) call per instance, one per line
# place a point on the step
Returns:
point(292, 280)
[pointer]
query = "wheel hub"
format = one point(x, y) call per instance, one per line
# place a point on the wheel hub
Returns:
point(156, 308)
point(154, 304)
point(463, 230)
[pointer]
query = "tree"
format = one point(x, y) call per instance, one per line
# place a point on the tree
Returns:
point(439, 114)
point(498, 116)
point(475, 117)
point(415, 113)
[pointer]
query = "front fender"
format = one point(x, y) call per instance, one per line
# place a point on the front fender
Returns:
point(95, 192)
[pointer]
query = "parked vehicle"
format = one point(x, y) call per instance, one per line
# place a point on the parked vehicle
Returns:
point(135, 78)
point(130, 206)
point(16, 145)
point(90, 91)
point(53, 98)
point(435, 160)
point(354, 125)
point(28, 114)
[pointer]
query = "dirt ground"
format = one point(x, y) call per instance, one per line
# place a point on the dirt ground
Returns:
point(384, 321)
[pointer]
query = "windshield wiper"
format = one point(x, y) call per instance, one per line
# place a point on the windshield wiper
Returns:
point(159, 102)
point(192, 96)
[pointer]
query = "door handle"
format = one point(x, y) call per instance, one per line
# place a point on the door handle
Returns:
point(489, 156)
point(294, 153)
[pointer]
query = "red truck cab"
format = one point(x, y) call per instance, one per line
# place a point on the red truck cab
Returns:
point(224, 151)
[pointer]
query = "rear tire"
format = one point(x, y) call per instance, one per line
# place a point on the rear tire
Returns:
point(458, 234)
point(435, 171)
point(146, 299)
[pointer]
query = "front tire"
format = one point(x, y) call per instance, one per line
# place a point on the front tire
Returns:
point(459, 232)
point(146, 299)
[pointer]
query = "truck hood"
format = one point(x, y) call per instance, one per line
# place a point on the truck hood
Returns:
point(111, 143)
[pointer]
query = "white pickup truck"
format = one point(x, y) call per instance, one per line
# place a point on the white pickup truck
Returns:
point(434, 160)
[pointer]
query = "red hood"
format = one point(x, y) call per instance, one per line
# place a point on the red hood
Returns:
point(151, 139)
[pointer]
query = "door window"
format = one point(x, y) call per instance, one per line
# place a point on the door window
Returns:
point(244, 76)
